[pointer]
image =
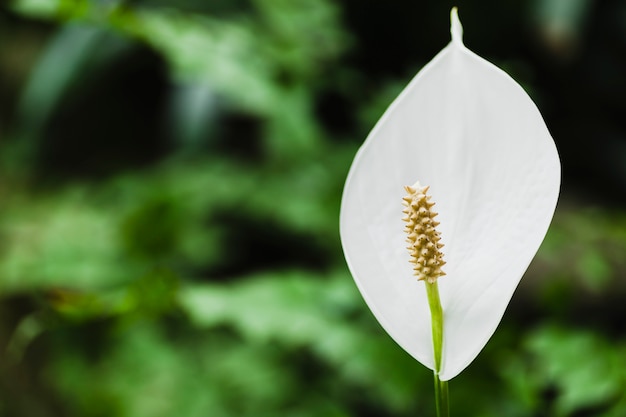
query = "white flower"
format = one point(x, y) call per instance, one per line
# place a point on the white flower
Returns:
point(471, 133)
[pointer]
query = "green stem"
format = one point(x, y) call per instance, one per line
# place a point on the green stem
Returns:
point(436, 316)
point(444, 405)
point(437, 394)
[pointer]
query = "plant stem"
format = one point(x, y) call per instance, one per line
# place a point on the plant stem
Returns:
point(444, 405)
point(437, 394)
point(436, 316)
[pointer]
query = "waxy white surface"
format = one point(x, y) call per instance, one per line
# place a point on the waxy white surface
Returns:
point(468, 130)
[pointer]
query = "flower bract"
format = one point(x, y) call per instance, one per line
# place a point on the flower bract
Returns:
point(467, 130)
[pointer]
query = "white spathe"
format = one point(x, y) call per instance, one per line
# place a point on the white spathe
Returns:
point(470, 132)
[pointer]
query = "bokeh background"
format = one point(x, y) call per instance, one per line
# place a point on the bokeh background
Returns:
point(170, 179)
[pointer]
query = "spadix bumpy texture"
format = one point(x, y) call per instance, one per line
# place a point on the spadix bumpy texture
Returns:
point(423, 237)
point(470, 132)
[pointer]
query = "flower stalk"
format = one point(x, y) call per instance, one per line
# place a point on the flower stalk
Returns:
point(436, 316)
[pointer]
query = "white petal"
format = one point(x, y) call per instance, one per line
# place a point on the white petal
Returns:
point(468, 130)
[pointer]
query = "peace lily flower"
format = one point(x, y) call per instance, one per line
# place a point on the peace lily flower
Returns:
point(467, 130)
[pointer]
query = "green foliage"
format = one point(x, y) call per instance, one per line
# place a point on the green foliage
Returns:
point(594, 257)
point(586, 370)
point(568, 372)
point(208, 279)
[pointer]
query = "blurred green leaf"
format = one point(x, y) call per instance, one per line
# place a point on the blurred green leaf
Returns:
point(586, 370)
point(301, 310)
point(60, 241)
point(596, 269)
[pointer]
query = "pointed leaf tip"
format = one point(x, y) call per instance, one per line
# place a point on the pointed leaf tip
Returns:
point(470, 131)
point(456, 28)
